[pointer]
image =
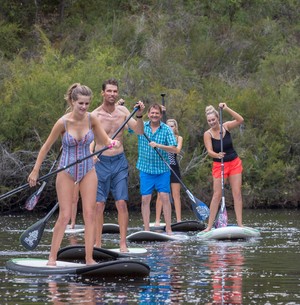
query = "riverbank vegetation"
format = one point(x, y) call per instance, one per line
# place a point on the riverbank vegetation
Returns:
point(245, 53)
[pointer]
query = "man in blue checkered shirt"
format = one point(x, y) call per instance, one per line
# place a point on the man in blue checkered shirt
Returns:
point(154, 173)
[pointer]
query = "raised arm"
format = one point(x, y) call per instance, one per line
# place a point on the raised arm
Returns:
point(137, 125)
point(238, 119)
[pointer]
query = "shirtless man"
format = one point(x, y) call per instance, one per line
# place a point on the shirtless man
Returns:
point(112, 167)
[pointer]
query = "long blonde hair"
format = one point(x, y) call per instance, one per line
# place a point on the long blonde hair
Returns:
point(176, 132)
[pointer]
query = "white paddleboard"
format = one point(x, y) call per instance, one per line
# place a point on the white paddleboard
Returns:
point(130, 250)
point(229, 232)
point(161, 224)
point(155, 236)
point(107, 228)
point(76, 229)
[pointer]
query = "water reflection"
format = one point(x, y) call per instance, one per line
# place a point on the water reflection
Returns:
point(73, 293)
point(226, 262)
point(260, 271)
point(166, 283)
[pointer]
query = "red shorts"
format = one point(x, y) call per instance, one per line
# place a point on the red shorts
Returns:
point(231, 168)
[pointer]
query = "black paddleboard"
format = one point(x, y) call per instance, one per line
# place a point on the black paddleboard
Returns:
point(142, 236)
point(107, 269)
point(182, 226)
point(110, 228)
point(77, 252)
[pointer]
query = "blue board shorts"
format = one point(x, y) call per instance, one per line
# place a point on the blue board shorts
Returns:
point(112, 173)
point(150, 182)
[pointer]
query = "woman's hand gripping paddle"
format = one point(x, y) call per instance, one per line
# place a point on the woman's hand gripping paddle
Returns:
point(34, 198)
point(200, 209)
point(32, 236)
point(222, 218)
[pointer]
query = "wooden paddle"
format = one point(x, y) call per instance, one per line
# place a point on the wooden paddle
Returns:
point(222, 218)
point(45, 177)
point(34, 198)
point(200, 209)
point(32, 236)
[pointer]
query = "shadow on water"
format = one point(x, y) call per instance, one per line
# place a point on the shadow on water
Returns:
point(264, 270)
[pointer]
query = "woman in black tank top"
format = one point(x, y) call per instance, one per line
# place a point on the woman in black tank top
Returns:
point(232, 163)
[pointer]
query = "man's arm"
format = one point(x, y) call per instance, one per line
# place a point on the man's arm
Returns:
point(137, 125)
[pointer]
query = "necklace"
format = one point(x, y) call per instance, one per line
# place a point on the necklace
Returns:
point(110, 113)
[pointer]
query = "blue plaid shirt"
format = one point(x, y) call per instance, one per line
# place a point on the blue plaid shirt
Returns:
point(149, 161)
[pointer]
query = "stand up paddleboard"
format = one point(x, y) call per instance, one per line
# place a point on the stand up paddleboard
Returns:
point(182, 226)
point(141, 236)
point(110, 228)
point(107, 269)
point(75, 230)
point(77, 252)
point(107, 228)
point(229, 232)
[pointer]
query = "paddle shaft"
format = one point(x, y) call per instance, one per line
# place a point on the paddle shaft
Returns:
point(222, 160)
point(163, 103)
point(51, 212)
point(221, 220)
point(45, 177)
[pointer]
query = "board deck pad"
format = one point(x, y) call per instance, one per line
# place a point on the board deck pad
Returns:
point(77, 252)
point(229, 233)
point(107, 269)
point(142, 236)
point(182, 226)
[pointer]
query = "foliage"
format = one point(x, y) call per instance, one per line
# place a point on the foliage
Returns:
point(243, 52)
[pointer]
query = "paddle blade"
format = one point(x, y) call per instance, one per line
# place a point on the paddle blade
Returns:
point(34, 198)
point(222, 219)
point(30, 238)
point(200, 209)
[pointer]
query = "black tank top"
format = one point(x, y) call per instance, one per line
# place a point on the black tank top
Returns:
point(227, 147)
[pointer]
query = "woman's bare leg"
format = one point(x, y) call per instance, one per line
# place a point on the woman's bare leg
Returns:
point(64, 188)
point(215, 202)
point(88, 189)
point(74, 206)
point(177, 201)
point(236, 187)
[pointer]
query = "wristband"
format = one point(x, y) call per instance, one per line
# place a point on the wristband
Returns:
point(138, 116)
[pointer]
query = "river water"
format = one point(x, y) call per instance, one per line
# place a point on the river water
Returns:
point(265, 270)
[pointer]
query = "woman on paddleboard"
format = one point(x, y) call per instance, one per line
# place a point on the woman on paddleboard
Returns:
point(175, 183)
point(78, 128)
point(232, 163)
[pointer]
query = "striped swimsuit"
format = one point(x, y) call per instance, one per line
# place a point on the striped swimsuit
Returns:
point(74, 150)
